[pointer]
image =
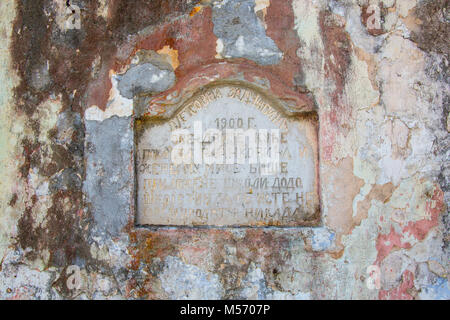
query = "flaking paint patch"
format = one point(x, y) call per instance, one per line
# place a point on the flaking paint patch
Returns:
point(403, 7)
point(360, 253)
point(103, 9)
point(381, 193)
point(117, 105)
point(10, 128)
point(261, 10)
point(410, 217)
point(400, 76)
point(28, 282)
point(341, 219)
point(307, 23)
point(242, 33)
point(182, 281)
point(359, 89)
point(172, 56)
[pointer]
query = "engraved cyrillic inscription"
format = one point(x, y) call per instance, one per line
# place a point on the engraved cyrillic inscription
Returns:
point(229, 157)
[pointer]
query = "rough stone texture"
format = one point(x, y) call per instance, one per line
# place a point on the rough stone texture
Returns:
point(182, 281)
point(66, 144)
point(241, 34)
point(145, 78)
point(109, 184)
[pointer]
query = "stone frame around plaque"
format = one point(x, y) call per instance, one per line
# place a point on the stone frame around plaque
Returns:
point(167, 106)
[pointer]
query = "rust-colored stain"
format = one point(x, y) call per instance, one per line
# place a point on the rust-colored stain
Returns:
point(195, 10)
point(337, 50)
point(200, 67)
point(172, 56)
point(418, 229)
point(267, 247)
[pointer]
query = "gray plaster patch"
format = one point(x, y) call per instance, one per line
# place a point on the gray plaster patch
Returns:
point(183, 281)
point(255, 287)
point(322, 239)
point(254, 284)
point(354, 26)
point(109, 179)
point(145, 78)
point(242, 33)
point(439, 290)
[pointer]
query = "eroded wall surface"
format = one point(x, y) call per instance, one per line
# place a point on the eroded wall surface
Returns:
point(376, 72)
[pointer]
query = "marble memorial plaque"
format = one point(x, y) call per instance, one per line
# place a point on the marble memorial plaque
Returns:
point(229, 157)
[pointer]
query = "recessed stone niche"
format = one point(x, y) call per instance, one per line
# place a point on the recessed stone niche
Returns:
point(230, 155)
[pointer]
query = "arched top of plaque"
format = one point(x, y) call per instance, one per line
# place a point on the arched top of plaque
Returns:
point(251, 82)
point(242, 92)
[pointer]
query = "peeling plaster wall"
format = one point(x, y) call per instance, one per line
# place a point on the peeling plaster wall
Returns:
point(68, 97)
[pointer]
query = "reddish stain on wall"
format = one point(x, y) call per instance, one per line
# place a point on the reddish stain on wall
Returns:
point(402, 292)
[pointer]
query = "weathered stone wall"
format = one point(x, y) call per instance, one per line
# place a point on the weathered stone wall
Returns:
point(375, 71)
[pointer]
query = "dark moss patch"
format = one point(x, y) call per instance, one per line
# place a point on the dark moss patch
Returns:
point(13, 200)
point(434, 32)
